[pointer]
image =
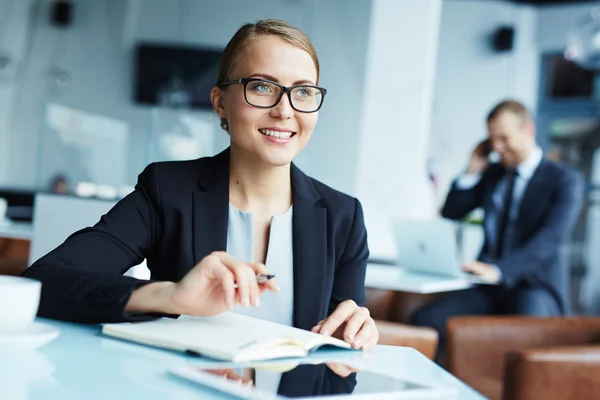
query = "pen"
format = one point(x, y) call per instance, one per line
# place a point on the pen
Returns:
point(263, 278)
point(260, 278)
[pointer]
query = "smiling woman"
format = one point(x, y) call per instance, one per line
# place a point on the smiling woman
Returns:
point(207, 227)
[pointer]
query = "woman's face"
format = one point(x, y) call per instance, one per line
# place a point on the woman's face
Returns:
point(263, 132)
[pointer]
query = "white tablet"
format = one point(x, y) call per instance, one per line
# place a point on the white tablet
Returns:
point(331, 380)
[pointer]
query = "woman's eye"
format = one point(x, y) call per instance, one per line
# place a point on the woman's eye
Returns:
point(262, 87)
point(304, 92)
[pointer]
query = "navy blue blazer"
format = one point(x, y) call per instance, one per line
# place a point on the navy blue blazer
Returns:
point(178, 214)
point(549, 208)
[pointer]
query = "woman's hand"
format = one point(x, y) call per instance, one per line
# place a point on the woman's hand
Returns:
point(216, 284)
point(231, 375)
point(352, 324)
point(341, 370)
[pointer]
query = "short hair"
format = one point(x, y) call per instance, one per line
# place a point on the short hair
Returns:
point(512, 106)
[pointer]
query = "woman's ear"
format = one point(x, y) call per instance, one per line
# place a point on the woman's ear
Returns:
point(217, 100)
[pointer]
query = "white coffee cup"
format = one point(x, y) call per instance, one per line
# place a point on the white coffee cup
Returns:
point(19, 302)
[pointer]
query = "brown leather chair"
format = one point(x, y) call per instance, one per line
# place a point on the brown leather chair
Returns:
point(14, 254)
point(389, 305)
point(385, 306)
point(424, 340)
point(526, 358)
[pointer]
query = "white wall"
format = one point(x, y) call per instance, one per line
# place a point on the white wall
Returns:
point(471, 77)
point(97, 52)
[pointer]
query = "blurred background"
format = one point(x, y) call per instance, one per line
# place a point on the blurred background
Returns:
point(91, 91)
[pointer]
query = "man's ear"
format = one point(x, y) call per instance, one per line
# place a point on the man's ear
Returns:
point(218, 101)
point(529, 128)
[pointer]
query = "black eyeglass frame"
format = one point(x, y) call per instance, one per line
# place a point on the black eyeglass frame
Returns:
point(284, 89)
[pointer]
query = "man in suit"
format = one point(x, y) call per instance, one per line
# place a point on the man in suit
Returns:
point(531, 205)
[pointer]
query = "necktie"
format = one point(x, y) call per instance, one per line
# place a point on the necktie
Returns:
point(504, 215)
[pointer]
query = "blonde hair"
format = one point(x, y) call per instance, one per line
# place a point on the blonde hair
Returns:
point(251, 32)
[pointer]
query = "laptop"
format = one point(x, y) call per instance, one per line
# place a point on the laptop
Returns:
point(429, 247)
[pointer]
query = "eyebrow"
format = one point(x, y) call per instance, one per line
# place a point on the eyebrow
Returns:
point(272, 78)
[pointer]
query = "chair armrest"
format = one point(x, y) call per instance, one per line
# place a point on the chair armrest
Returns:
point(553, 373)
point(425, 340)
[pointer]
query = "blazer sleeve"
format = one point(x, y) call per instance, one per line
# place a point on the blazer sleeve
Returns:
point(82, 279)
point(554, 232)
point(349, 278)
point(460, 202)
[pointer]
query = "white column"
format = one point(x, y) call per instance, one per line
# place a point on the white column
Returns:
point(392, 176)
point(13, 40)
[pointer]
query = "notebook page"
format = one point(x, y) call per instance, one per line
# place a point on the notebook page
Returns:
point(266, 331)
point(223, 336)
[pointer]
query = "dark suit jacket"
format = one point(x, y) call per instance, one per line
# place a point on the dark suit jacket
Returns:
point(547, 213)
point(178, 214)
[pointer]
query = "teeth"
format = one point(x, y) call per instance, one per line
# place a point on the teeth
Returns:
point(276, 134)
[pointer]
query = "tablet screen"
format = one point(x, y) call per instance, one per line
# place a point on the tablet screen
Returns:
point(302, 381)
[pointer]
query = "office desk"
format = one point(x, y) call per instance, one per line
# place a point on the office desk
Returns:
point(82, 364)
point(396, 278)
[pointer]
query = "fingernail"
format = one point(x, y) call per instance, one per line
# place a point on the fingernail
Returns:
point(245, 302)
point(277, 288)
point(257, 302)
point(357, 344)
point(350, 338)
point(326, 333)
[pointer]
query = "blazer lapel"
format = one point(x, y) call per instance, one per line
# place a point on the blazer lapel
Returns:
point(211, 207)
point(310, 252)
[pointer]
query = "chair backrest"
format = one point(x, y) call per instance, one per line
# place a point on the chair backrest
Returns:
point(56, 217)
point(477, 347)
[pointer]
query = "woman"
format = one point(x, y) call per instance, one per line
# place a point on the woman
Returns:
point(194, 221)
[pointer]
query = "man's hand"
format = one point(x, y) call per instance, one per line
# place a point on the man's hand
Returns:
point(479, 158)
point(486, 272)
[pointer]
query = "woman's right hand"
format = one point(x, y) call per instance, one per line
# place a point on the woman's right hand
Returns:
point(209, 288)
point(216, 284)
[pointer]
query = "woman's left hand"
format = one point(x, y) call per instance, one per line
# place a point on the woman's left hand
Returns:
point(352, 324)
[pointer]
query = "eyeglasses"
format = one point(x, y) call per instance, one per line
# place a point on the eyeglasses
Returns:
point(263, 93)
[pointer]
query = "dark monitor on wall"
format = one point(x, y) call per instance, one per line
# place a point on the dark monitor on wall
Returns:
point(167, 74)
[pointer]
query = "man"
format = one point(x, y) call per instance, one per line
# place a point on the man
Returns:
point(531, 205)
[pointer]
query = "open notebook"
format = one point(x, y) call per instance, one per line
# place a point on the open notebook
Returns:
point(228, 336)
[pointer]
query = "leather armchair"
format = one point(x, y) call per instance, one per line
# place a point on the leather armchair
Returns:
point(526, 358)
point(14, 254)
point(384, 306)
point(425, 340)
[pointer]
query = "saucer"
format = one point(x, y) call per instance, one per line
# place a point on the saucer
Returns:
point(33, 336)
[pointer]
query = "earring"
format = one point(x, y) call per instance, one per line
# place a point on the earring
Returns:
point(224, 124)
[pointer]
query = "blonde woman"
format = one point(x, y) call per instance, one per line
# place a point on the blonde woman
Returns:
point(207, 225)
